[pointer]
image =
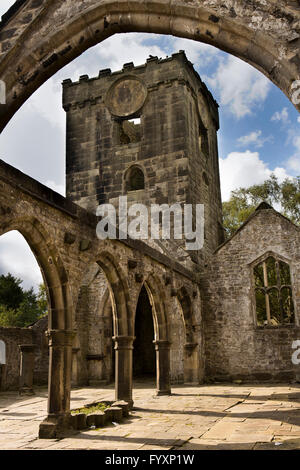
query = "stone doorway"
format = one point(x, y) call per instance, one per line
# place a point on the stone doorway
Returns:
point(144, 362)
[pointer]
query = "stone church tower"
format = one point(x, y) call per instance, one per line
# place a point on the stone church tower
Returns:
point(149, 132)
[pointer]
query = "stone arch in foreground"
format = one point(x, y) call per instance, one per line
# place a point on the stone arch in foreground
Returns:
point(38, 38)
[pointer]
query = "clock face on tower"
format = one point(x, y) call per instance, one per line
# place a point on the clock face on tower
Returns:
point(126, 96)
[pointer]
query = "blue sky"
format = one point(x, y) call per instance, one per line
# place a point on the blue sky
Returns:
point(259, 127)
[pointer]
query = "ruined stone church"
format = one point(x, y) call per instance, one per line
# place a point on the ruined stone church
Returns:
point(128, 309)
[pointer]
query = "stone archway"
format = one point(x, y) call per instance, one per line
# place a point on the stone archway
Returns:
point(123, 325)
point(161, 334)
point(191, 352)
point(144, 363)
point(60, 334)
point(263, 34)
point(93, 317)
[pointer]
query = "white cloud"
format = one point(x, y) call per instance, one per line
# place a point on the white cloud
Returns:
point(17, 258)
point(198, 53)
point(47, 102)
point(293, 163)
point(281, 116)
point(251, 138)
point(254, 138)
point(243, 169)
point(298, 119)
point(123, 48)
point(241, 87)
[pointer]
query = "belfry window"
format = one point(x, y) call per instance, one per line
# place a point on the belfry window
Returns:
point(130, 131)
point(273, 293)
point(134, 179)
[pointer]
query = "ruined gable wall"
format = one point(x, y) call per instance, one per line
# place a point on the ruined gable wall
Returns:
point(234, 346)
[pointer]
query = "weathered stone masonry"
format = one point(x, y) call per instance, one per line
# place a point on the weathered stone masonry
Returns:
point(13, 338)
point(62, 237)
point(214, 336)
point(235, 347)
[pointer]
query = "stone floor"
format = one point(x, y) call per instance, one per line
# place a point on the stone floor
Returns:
point(220, 416)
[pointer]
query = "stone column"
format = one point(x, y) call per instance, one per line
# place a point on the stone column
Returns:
point(75, 366)
point(162, 348)
point(123, 368)
point(59, 384)
point(26, 369)
point(191, 363)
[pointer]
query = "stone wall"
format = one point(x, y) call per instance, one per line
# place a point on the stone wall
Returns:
point(12, 337)
point(235, 347)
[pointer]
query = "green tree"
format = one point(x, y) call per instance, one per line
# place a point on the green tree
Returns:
point(19, 307)
point(42, 300)
point(243, 202)
point(11, 292)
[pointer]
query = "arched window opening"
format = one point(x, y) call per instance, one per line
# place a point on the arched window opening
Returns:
point(135, 179)
point(273, 293)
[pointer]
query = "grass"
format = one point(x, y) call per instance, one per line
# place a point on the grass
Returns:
point(90, 409)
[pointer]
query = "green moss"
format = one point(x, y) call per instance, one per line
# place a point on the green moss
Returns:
point(90, 409)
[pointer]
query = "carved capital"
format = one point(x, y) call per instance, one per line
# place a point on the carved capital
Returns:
point(123, 342)
point(60, 338)
point(26, 348)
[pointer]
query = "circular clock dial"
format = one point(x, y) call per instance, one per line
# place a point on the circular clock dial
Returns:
point(126, 96)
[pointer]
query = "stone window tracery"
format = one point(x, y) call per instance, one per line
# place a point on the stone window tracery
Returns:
point(273, 293)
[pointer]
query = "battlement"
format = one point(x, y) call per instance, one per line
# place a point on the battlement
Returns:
point(153, 66)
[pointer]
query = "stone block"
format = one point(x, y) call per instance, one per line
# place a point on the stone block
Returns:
point(80, 421)
point(99, 419)
point(125, 407)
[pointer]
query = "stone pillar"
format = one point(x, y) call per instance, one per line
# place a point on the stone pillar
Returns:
point(74, 380)
point(59, 384)
point(162, 348)
point(123, 368)
point(26, 369)
point(191, 363)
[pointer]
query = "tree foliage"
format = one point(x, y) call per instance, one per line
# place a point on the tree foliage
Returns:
point(19, 307)
point(243, 202)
